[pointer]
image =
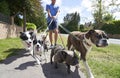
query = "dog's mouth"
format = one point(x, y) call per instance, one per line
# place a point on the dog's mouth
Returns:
point(102, 45)
point(37, 48)
point(28, 44)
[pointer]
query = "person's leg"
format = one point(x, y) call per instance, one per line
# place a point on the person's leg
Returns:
point(55, 35)
point(50, 37)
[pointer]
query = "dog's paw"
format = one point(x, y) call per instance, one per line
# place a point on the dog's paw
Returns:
point(91, 76)
point(45, 60)
point(38, 62)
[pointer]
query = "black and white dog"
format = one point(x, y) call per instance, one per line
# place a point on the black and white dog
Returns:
point(39, 51)
point(27, 38)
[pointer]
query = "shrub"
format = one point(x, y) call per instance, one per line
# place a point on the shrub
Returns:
point(30, 26)
point(112, 28)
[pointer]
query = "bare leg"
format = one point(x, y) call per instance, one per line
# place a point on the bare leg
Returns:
point(88, 70)
point(56, 35)
point(50, 37)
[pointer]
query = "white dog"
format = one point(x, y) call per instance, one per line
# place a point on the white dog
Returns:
point(39, 51)
point(27, 38)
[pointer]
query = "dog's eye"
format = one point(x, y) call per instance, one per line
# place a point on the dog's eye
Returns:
point(35, 41)
point(31, 38)
point(98, 36)
point(105, 36)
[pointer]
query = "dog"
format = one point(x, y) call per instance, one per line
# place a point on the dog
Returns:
point(43, 37)
point(27, 38)
point(64, 56)
point(39, 50)
point(83, 42)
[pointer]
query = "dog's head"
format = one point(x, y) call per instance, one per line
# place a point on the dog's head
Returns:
point(38, 45)
point(27, 37)
point(98, 37)
point(70, 57)
point(57, 48)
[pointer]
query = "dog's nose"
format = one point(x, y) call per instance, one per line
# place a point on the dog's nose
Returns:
point(30, 42)
point(37, 45)
point(105, 41)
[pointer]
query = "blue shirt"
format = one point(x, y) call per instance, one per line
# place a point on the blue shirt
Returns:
point(53, 10)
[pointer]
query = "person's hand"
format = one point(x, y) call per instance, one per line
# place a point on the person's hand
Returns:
point(54, 17)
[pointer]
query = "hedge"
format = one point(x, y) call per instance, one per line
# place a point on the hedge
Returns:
point(31, 26)
point(112, 28)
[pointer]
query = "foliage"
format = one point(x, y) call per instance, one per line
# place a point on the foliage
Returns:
point(98, 12)
point(33, 8)
point(101, 13)
point(108, 18)
point(31, 26)
point(71, 21)
point(112, 28)
point(4, 8)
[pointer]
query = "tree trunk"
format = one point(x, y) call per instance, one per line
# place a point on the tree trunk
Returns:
point(12, 20)
point(24, 20)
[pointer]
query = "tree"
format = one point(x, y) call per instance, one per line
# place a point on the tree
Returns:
point(99, 10)
point(31, 10)
point(71, 21)
point(4, 8)
point(107, 18)
point(104, 13)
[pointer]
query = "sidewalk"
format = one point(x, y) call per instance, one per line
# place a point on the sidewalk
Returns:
point(24, 66)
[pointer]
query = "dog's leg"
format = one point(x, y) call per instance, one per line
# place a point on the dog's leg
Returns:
point(88, 70)
point(36, 58)
point(68, 68)
point(31, 52)
point(56, 65)
point(45, 57)
point(51, 56)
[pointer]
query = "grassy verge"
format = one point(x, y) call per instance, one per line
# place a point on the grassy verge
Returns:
point(104, 62)
point(9, 47)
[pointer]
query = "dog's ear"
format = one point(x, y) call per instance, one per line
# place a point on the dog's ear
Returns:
point(21, 32)
point(34, 41)
point(64, 54)
point(91, 31)
point(31, 33)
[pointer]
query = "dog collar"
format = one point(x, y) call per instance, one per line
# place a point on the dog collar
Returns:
point(86, 41)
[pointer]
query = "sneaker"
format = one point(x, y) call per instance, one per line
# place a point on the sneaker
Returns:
point(55, 44)
point(51, 46)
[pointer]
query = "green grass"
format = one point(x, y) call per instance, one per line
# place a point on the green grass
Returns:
point(9, 47)
point(104, 62)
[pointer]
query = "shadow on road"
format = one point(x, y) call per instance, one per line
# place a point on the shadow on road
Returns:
point(50, 72)
point(14, 53)
point(25, 65)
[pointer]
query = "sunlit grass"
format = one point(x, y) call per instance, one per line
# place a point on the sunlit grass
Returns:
point(7, 46)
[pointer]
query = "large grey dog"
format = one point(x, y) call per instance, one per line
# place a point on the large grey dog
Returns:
point(64, 56)
point(83, 42)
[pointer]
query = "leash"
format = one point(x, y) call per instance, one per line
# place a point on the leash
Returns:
point(61, 39)
point(69, 32)
point(47, 29)
point(84, 40)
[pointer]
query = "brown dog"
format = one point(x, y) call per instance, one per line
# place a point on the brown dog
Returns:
point(82, 42)
point(61, 55)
